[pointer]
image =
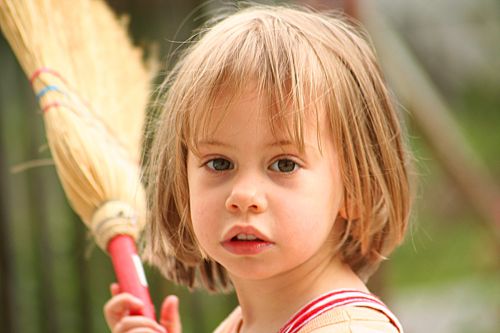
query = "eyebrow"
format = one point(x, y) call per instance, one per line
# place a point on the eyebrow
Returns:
point(212, 143)
point(223, 144)
point(280, 143)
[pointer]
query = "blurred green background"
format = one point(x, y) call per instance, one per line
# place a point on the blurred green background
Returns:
point(445, 278)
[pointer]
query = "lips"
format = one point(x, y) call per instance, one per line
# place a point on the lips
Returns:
point(245, 231)
point(245, 240)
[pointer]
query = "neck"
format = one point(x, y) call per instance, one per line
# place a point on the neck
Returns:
point(268, 304)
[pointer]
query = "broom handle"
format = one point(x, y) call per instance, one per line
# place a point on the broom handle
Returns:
point(130, 273)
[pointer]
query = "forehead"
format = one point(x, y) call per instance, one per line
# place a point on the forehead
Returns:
point(255, 113)
point(264, 53)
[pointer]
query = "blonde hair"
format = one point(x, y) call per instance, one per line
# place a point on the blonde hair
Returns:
point(300, 60)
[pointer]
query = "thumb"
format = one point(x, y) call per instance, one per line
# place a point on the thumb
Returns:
point(169, 316)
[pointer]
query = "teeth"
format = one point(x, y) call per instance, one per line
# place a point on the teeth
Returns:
point(246, 237)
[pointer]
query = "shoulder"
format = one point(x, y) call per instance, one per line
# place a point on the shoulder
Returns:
point(350, 319)
point(231, 323)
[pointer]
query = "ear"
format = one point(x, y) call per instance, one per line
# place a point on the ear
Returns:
point(348, 210)
point(343, 212)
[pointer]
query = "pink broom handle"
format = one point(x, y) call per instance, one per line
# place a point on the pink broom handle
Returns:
point(130, 273)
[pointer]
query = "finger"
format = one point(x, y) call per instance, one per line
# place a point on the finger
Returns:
point(120, 306)
point(141, 324)
point(123, 303)
point(169, 316)
point(115, 289)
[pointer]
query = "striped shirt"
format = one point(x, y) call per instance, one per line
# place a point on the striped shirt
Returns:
point(349, 311)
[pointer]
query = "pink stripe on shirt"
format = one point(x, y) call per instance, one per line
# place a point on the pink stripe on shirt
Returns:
point(333, 300)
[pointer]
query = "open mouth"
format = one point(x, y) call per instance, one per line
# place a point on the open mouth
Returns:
point(246, 237)
point(246, 244)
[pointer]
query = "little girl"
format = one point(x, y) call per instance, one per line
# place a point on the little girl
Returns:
point(279, 170)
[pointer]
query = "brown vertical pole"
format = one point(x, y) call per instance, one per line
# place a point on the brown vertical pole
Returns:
point(7, 280)
point(81, 266)
point(39, 226)
point(351, 8)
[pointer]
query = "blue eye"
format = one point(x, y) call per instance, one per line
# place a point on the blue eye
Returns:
point(284, 165)
point(219, 164)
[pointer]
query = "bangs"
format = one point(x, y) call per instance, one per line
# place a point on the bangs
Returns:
point(270, 55)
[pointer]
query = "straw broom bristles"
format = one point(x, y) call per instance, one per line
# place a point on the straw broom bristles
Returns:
point(93, 99)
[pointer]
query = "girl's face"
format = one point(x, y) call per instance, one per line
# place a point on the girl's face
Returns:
point(259, 206)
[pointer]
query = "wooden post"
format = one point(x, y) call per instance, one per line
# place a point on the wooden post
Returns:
point(7, 281)
point(81, 267)
point(351, 8)
point(39, 226)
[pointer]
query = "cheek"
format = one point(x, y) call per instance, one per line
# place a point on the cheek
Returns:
point(313, 210)
point(204, 200)
point(204, 197)
point(203, 226)
point(200, 209)
point(205, 211)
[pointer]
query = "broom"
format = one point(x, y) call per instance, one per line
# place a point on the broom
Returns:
point(92, 87)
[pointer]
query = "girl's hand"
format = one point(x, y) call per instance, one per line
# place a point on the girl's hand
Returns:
point(118, 308)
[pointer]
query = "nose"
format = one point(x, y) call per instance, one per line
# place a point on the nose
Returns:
point(246, 199)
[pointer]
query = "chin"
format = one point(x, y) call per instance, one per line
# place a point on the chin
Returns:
point(250, 269)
